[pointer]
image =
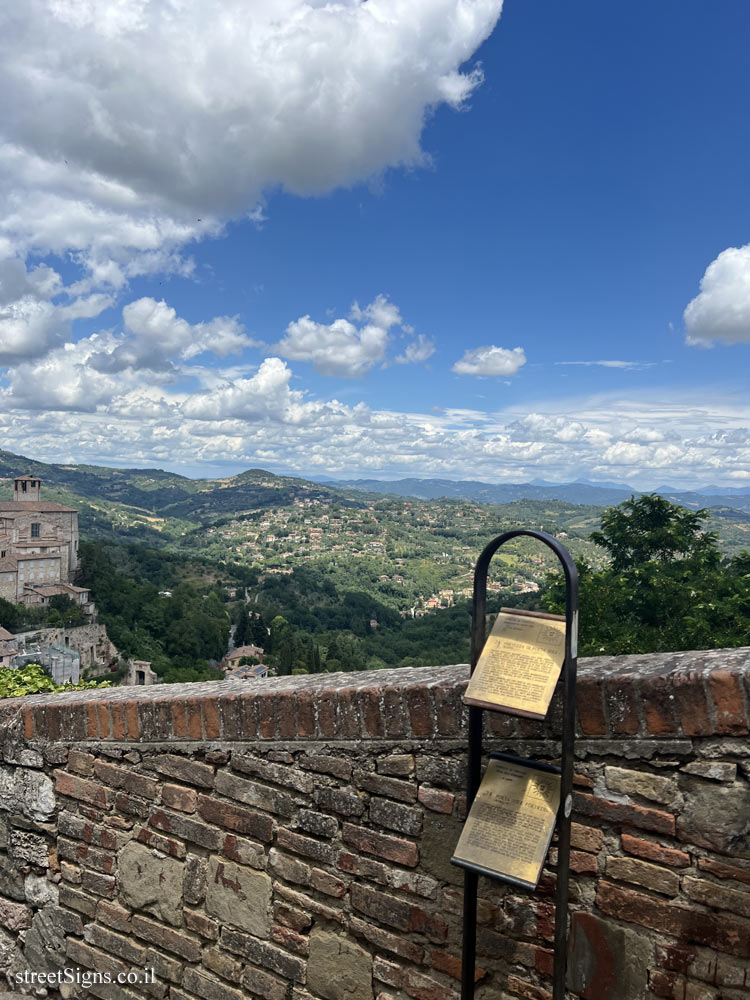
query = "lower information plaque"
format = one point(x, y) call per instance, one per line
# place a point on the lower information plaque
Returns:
point(511, 821)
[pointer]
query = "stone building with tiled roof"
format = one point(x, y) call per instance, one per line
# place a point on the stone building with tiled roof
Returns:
point(38, 546)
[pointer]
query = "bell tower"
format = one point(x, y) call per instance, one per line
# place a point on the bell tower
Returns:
point(27, 487)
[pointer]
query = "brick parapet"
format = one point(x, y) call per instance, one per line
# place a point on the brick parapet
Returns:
point(292, 841)
point(667, 695)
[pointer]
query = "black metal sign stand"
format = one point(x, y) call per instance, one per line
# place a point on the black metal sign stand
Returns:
point(568, 678)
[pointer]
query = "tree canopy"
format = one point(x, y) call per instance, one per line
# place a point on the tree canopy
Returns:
point(666, 588)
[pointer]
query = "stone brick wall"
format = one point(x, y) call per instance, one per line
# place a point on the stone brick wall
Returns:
point(290, 840)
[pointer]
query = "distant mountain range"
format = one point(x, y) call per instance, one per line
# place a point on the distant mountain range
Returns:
point(580, 492)
point(200, 500)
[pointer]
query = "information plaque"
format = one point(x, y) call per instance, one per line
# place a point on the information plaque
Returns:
point(511, 821)
point(520, 664)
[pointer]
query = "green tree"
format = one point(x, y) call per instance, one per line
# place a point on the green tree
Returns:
point(666, 587)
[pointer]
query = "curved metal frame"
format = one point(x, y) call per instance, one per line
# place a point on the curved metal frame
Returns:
point(568, 676)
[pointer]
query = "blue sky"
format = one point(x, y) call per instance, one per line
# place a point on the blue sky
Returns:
point(384, 239)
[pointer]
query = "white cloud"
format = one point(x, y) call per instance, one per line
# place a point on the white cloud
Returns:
point(417, 352)
point(131, 129)
point(721, 311)
point(625, 365)
point(490, 360)
point(349, 350)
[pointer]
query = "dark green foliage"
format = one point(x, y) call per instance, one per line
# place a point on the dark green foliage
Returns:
point(179, 634)
point(666, 588)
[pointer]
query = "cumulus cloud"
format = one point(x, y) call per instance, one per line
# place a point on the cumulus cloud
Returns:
point(351, 347)
point(490, 360)
point(155, 335)
point(417, 352)
point(131, 129)
point(721, 310)
point(31, 321)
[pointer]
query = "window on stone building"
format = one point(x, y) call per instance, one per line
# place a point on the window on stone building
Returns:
point(140, 676)
point(36, 528)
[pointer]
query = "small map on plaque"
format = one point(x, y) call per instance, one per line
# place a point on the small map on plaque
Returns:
point(511, 822)
point(520, 664)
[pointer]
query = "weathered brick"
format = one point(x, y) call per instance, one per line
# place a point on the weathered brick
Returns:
point(688, 925)
point(185, 945)
point(722, 870)
point(289, 939)
point(77, 827)
point(76, 900)
point(522, 988)
point(718, 896)
point(339, 800)
point(436, 799)
point(395, 878)
point(89, 857)
point(188, 829)
point(586, 838)
point(167, 845)
point(403, 852)
point(649, 851)
point(645, 874)
point(208, 987)
point(306, 846)
point(371, 709)
point(422, 987)
point(289, 916)
point(383, 940)
point(218, 961)
point(673, 987)
point(305, 903)
point(627, 815)
point(290, 869)
point(113, 915)
point(398, 765)
point(233, 817)
point(325, 882)
point(81, 763)
point(266, 955)
point(658, 705)
point(389, 788)
point(245, 852)
point(252, 794)
point(397, 913)
point(590, 705)
point(261, 984)
point(201, 924)
point(318, 823)
point(115, 944)
point(210, 709)
point(395, 816)
point(82, 789)
point(291, 777)
point(190, 772)
point(728, 698)
point(421, 714)
point(388, 972)
point(97, 883)
point(177, 797)
point(691, 704)
point(621, 702)
point(327, 764)
point(126, 779)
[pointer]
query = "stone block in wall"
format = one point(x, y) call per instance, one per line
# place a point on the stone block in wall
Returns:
point(606, 962)
point(239, 896)
point(716, 816)
point(152, 882)
point(440, 835)
point(338, 969)
point(28, 792)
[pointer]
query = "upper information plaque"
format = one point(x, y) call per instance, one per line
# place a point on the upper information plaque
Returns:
point(520, 664)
